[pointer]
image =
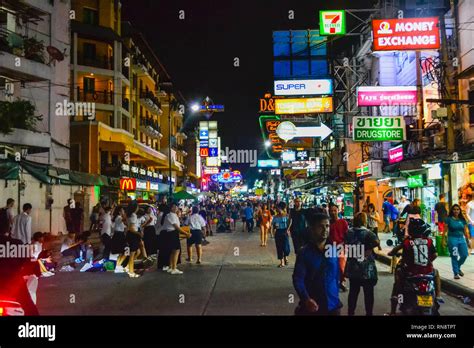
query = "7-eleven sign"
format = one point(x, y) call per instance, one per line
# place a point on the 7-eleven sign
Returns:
point(332, 22)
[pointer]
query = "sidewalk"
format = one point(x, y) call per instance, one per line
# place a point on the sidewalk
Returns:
point(463, 286)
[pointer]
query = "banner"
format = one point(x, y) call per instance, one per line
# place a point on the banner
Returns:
point(303, 105)
point(406, 34)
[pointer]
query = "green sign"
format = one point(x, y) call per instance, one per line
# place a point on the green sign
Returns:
point(363, 169)
point(415, 181)
point(348, 205)
point(332, 22)
point(377, 128)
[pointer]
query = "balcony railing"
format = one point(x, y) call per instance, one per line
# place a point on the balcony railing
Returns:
point(102, 62)
point(23, 46)
point(150, 127)
point(150, 101)
point(103, 97)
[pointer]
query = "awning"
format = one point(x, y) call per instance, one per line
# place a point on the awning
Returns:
point(466, 73)
point(9, 170)
point(38, 171)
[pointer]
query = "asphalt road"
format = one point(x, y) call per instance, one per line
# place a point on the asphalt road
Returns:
point(237, 277)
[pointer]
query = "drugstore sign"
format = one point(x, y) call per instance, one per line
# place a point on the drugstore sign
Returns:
point(369, 128)
point(406, 34)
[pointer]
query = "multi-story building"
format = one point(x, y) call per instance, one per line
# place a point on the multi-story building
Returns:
point(34, 81)
point(114, 67)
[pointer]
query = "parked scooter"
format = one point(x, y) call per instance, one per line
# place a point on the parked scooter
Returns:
point(419, 296)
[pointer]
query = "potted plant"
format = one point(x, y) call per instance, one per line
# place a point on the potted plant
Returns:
point(33, 49)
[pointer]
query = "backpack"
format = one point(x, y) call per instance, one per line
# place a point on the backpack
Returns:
point(4, 223)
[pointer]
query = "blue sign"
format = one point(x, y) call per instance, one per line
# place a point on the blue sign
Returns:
point(203, 143)
point(204, 134)
point(213, 108)
point(213, 152)
point(268, 164)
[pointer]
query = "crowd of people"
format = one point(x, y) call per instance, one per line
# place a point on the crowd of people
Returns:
point(143, 232)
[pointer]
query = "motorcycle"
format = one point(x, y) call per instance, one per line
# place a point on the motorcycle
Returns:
point(10, 308)
point(419, 296)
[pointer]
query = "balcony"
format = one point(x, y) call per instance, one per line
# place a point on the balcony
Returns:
point(102, 97)
point(150, 101)
point(126, 104)
point(101, 62)
point(181, 149)
point(151, 128)
point(33, 67)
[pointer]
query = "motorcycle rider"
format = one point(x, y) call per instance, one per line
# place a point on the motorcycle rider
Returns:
point(418, 254)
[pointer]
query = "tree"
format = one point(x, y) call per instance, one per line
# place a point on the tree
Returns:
point(18, 114)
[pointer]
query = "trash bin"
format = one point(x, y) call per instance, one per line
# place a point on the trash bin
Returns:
point(439, 246)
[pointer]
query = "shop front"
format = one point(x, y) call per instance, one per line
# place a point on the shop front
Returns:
point(462, 182)
point(141, 190)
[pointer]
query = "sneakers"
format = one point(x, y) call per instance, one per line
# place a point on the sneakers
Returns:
point(47, 274)
point(165, 269)
point(169, 270)
point(461, 273)
point(119, 269)
point(133, 275)
point(176, 271)
point(457, 276)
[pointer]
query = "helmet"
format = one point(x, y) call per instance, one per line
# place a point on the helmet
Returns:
point(418, 228)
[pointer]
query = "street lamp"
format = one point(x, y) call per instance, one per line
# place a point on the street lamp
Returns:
point(168, 87)
point(195, 107)
point(268, 143)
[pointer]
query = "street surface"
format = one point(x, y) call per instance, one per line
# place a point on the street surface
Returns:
point(237, 277)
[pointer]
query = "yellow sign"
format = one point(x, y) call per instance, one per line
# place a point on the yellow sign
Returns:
point(259, 192)
point(303, 105)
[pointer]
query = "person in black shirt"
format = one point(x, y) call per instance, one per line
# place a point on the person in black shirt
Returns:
point(297, 225)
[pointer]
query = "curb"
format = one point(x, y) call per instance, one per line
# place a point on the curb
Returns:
point(446, 284)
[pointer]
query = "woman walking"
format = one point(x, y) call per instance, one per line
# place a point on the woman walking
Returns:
point(373, 220)
point(149, 233)
point(134, 237)
point(361, 274)
point(234, 215)
point(457, 239)
point(119, 241)
point(265, 217)
point(170, 240)
point(281, 226)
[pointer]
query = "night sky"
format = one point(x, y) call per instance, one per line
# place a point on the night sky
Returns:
point(198, 52)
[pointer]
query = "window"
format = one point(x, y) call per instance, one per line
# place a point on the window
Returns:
point(91, 16)
point(89, 85)
point(471, 109)
point(125, 123)
point(75, 157)
point(89, 50)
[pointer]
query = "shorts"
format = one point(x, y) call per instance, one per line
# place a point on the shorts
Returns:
point(119, 242)
point(133, 241)
point(170, 240)
point(196, 238)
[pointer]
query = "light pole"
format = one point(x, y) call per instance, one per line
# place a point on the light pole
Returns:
point(167, 87)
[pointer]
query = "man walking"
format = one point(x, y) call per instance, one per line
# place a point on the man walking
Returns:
point(442, 210)
point(249, 217)
point(297, 225)
point(337, 234)
point(6, 217)
point(387, 214)
point(316, 274)
point(22, 225)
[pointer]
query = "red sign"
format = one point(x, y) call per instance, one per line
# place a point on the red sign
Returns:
point(395, 155)
point(406, 34)
point(204, 151)
point(386, 96)
point(129, 184)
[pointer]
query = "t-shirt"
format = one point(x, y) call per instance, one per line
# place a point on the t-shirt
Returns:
point(196, 222)
point(280, 222)
point(107, 225)
point(338, 231)
point(470, 210)
point(417, 253)
point(386, 208)
point(298, 221)
point(455, 227)
point(248, 213)
point(440, 208)
point(133, 222)
point(118, 224)
point(372, 220)
point(170, 220)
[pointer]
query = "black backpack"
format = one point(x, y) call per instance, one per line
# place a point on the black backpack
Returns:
point(4, 223)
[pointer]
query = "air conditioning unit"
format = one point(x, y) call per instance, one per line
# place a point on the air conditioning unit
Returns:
point(9, 88)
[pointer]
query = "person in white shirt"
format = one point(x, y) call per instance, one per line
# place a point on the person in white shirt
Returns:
point(170, 240)
point(197, 225)
point(106, 233)
point(470, 218)
point(134, 237)
point(149, 234)
point(119, 242)
point(403, 203)
point(22, 225)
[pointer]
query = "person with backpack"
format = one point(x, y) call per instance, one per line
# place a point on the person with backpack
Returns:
point(6, 217)
point(361, 269)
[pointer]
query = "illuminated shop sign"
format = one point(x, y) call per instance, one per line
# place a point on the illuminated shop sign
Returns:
point(386, 96)
point(303, 87)
point(332, 22)
point(395, 155)
point(303, 105)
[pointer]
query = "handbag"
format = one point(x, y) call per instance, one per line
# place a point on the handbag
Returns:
point(186, 234)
